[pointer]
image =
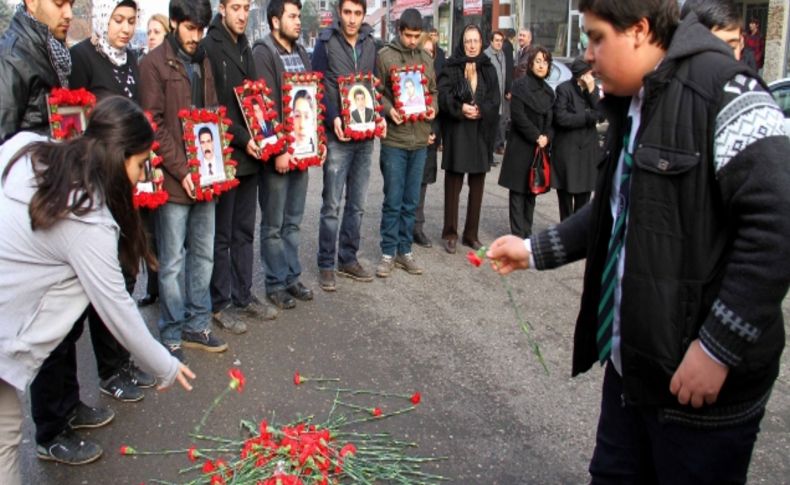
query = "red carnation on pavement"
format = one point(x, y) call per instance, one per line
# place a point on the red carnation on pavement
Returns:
point(416, 398)
point(208, 467)
point(297, 378)
point(236, 379)
point(349, 449)
point(376, 412)
point(193, 454)
point(127, 450)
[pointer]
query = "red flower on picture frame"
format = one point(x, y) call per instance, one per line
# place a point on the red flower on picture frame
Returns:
point(150, 193)
point(207, 144)
point(303, 118)
point(261, 117)
point(361, 106)
point(69, 111)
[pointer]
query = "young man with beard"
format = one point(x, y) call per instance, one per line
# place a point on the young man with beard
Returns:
point(344, 48)
point(177, 75)
point(229, 52)
point(33, 60)
point(282, 191)
point(404, 150)
point(686, 250)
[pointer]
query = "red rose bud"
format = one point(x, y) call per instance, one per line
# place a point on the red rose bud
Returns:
point(236, 379)
point(416, 398)
point(376, 412)
point(127, 450)
point(473, 258)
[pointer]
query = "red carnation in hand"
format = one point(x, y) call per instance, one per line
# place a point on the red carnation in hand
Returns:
point(474, 259)
point(416, 398)
point(236, 379)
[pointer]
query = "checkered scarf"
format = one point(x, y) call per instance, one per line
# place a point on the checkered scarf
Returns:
point(58, 52)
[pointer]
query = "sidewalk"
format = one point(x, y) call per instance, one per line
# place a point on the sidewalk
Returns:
point(450, 334)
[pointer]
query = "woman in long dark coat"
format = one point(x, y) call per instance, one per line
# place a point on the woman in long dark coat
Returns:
point(575, 150)
point(530, 126)
point(469, 106)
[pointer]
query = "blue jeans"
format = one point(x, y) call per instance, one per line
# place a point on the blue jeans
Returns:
point(186, 260)
point(347, 167)
point(402, 173)
point(282, 199)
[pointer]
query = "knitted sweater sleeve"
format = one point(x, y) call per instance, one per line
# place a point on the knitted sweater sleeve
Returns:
point(750, 160)
point(563, 243)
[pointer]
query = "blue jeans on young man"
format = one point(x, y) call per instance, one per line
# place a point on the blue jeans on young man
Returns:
point(402, 173)
point(639, 444)
point(186, 260)
point(282, 199)
point(346, 170)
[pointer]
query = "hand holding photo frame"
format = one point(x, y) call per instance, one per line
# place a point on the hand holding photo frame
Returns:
point(361, 108)
point(303, 118)
point(150, 192)
point(207, 143)
point(261, 118)
point(410, 89)
point(69, 111)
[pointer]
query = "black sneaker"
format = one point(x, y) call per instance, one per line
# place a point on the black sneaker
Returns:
point(259, 310)
point(69, 448)
point(204, 340)
point(85, 416)
point(138, 377)
point(177, 352)
point(120, 387)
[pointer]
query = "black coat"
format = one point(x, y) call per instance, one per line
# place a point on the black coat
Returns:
point(94, 72)
point(575, 151)
point(232, 63)
point(468, 144)
point(530, 116)
point(26, 77)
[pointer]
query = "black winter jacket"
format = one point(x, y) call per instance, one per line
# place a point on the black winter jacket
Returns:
point(706, 247)
point(26, 78)
point(232, 64)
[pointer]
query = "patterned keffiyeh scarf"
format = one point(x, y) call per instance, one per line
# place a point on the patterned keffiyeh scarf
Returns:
point(58, 52)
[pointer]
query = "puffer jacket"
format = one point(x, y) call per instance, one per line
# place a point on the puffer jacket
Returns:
point(26, 77)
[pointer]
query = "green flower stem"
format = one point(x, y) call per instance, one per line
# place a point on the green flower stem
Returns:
point(359, 392)
point(383, 415)
point(526, 327)
point(303, 379)
point(211, 408)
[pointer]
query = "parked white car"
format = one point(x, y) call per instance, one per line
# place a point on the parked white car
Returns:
point(781, 92)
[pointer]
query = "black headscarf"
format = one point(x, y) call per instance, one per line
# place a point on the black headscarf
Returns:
point(456, 64)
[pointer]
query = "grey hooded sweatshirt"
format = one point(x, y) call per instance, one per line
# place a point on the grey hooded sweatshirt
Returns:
point(47, 278)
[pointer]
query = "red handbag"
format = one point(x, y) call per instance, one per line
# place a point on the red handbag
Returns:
point(539, 172)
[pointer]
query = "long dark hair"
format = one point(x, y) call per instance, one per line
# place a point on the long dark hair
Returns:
point(79, 175)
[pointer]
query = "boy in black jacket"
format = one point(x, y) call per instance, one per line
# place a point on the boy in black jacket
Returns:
point(686, 249)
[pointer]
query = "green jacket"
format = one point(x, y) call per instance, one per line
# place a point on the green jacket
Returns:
point(408, 136)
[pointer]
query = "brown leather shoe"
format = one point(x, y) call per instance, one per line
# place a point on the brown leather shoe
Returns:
point(449, 245)
point(474, 243)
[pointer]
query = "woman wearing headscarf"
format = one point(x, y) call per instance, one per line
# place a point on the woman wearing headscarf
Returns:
point(106, 66)
point(469, 106)
point(575, 150)
point(530, 117)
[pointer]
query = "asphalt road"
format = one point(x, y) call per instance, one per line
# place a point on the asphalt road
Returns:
point(487, 406)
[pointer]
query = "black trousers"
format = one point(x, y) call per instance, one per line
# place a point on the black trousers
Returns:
point(571, 203)
point(150, 222)
point(419, 215)
point(522, 211)
point(55, 392)
point(634, 444)
point(231, 279)
point(453, 183)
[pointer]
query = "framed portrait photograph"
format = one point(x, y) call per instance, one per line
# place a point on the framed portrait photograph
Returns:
point(207, 144)
point(361, 109)
point(412, 99)
point(68, 112)
point(303, 118)
point(260, 116)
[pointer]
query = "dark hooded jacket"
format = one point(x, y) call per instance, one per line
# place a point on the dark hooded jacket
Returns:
point(232, 64)
point(26, 78)
point(334, 56)
point(706, 250)
point(468, 144)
